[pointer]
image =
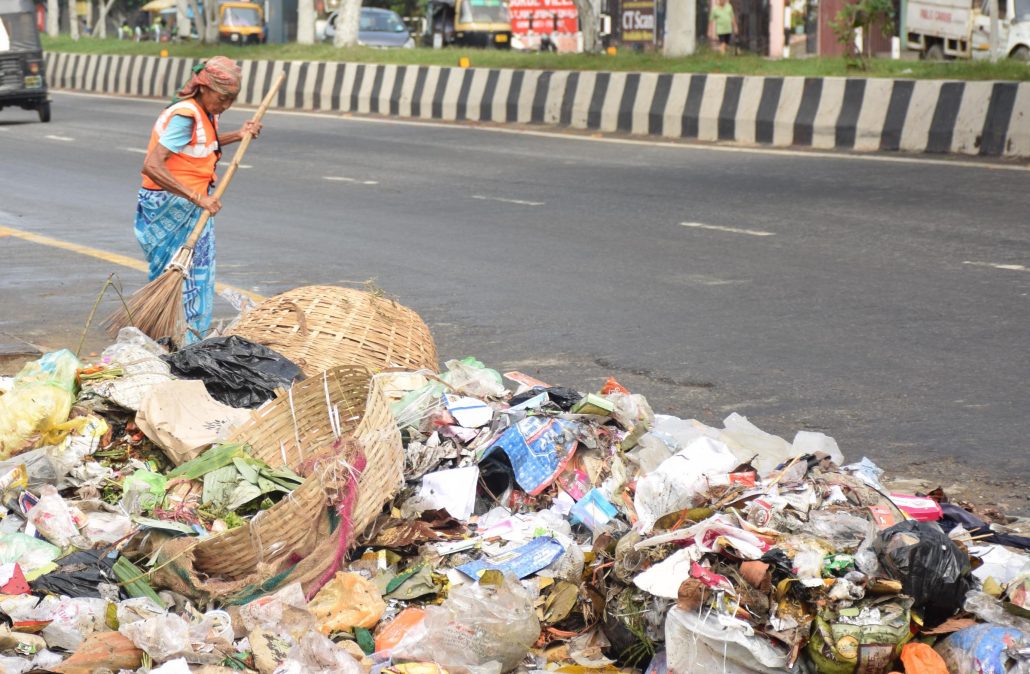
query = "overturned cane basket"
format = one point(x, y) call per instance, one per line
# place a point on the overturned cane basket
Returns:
point(316, 427)
point(319, 327)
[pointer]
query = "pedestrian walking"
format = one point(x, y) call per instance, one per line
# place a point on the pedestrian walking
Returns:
point(178, 175)
point(125, 31)
point(722, 24)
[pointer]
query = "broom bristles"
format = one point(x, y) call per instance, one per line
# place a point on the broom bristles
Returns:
point(156, 308)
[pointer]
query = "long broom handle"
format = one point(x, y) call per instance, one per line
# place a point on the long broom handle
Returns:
point(235, 164)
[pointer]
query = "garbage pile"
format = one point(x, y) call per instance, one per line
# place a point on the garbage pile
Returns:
point(538, 528)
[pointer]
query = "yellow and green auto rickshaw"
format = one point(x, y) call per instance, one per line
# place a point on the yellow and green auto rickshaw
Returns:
point(470, 23)
point(22, 69)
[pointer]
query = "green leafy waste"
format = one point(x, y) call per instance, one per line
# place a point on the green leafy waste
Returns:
point(213, 459)
point(244, 480)
point(132, 578)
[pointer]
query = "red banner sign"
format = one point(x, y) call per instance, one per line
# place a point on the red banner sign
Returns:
point(543, 16)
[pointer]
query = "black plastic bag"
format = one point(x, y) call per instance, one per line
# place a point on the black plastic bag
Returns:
point(78, 575)
point(565, 398)
point(236, 371)
point(933, 570)
point(520, 398)
point(955, 516)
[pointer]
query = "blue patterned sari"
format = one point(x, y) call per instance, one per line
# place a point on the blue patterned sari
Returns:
point(163, 223)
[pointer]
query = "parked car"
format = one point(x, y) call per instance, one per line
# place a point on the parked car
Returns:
point(380, 28)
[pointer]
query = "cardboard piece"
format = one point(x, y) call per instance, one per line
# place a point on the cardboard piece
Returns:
point(182, 418)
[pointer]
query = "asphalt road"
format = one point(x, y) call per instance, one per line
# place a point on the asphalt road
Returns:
point(883, 303)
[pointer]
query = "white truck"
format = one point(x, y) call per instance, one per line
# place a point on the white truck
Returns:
point(962, 29)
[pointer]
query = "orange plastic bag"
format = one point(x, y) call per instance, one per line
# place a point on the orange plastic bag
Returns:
point(347, 601)
point(921, 659)
point(392, 634)
point(612, 386)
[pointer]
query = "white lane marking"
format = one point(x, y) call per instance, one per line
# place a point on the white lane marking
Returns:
point(520, 202)
point(137, 150)
point(670, 144)
point(345, 179)
point(995, 265)
point(246, 166)
point(732, 230)
point(64, 138)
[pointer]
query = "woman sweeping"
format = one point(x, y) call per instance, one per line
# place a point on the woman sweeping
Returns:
point(178, 175)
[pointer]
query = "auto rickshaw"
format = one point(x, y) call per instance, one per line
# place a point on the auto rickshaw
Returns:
point(22, 69)
point(469, 23)
point(241, 22)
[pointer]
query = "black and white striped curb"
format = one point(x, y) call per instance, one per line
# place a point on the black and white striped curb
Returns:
point(969, 118)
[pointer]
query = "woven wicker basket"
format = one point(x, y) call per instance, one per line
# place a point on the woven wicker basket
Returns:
point(319, 327)
point(297, 427)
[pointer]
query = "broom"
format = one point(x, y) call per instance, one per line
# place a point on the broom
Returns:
point(156, 308)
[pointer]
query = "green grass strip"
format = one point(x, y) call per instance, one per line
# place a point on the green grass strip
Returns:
point(704, 62)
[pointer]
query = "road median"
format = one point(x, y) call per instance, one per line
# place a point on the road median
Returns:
point(987, 119)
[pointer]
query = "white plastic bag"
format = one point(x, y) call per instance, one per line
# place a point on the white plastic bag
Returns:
point(162, 637)
point(286, 610)
point(316, 654)
point(476, 625)
point(469, 377)
point(73, 619)
point(140, 358)
point(213, 633)
point(679, 479)
point(136, 609)
point(714, 643)
point(748, 442)
point(809, 442)
point(56, 520)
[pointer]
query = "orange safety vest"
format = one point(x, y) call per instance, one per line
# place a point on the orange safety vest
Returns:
point(194, 165)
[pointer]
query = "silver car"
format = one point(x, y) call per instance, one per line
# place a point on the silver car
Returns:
point(381, 28)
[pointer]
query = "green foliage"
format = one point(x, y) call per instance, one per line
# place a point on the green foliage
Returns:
point(863, 15)
point(405, 8)
point(706, 62)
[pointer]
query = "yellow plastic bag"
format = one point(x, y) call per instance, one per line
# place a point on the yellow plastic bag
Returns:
point(347, 601)
point(40, 399)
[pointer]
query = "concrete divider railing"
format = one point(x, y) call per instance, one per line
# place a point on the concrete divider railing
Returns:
point(969, 118)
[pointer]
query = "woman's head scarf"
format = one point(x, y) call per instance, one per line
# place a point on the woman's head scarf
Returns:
point(219, 74)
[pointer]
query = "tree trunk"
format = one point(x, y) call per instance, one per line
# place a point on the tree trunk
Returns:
point(305, 22)
point(73, 19)
point(210, 36)
point(198, 17)
point(182, 19)
point(347, 21)
point(103, 8)
point(680, 28)
point(53, 18)
point(588, 25)
point(995, 30)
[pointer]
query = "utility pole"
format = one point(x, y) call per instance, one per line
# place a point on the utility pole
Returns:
point(680, 28)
